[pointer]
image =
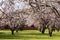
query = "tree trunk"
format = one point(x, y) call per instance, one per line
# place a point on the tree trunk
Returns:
point(43, 30)
point(17, 30)
point(50, 32)
point(12, 32)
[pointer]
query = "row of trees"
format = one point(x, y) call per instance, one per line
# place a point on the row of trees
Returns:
point(40, 13)
point(48, 12)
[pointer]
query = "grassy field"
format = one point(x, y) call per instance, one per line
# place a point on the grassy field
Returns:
point(28, 35)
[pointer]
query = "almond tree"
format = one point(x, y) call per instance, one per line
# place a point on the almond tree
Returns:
point(12, 14)
point(44, 9)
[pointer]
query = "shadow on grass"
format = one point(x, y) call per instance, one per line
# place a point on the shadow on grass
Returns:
point(27, 35)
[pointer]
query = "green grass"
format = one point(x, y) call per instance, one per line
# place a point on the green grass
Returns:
point(28, 35)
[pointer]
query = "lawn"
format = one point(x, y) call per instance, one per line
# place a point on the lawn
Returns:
point(28, 35)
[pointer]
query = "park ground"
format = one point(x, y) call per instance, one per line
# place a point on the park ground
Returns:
point(28, 35)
